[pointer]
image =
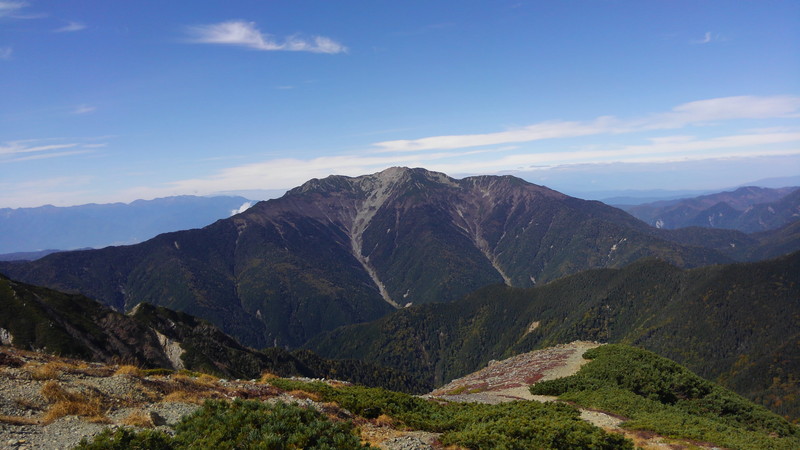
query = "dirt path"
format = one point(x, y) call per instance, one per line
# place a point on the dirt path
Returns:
point(508, 380)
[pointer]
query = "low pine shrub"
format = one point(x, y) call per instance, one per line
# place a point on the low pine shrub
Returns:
point(519, 425)
point(659, 395)
point(241, 425)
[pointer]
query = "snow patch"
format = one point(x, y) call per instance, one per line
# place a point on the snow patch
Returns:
point(176, 245)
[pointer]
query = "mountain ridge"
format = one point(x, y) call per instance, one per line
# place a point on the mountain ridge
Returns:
point(342, 250)
point(748, 209)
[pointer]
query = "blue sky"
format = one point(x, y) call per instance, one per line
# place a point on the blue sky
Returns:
point(113, 101)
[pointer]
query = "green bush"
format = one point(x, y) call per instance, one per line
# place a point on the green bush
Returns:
point(520, 424)
point(659, 395)
point(240, 425)
point(125, 439)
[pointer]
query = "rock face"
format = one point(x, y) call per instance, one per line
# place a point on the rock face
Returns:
point(342, 250)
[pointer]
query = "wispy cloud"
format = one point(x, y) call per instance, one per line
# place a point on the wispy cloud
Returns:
point(11, 8)
point(245, 34)
point(6, 52)
point(693, 113)
point(84, 109)
point(70, 27)
point(34, 149)
point(708, 38)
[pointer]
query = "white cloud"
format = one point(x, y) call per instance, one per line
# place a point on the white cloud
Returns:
point(11, 8)
point(245, 206)
point(245, 34)
point(70, 27)
point(708, 38)
point(35, 149)
point(290, 172)
point(83, 109)
point(5, 52)
point(692, 113)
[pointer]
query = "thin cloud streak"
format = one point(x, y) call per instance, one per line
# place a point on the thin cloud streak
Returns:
point(10, 8)
point(36, 149)
point(46, 156)
point(692, 113)
point(70, 28)
point(84, 109)
point(288, 172)
point(245, 34)
point(6, 52)
point(18, 147)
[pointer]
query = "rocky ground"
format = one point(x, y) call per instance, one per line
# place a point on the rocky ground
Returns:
point(53, 403)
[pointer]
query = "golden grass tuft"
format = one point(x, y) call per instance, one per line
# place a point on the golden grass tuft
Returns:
point(383, 421)
point(206, 379)
point(26, 404)
point(18, 420)
point(129, 370)
point(138, 418)
point(48, 371)
point(99, 419)
point(266, 377)
point(304, 395)
point(66, 403)
point(53, 392)
point(184, 397)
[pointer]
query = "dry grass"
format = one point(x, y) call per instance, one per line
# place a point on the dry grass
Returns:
point(304, 395)
point(66, 403)
point(18, 420)
point(129, 370)
point(266, 377)
point(100, 419)
point(383, 421)
point(138, 418)
point(47, 371)
point(26, 404)
point(206, 379)
point(184, 397)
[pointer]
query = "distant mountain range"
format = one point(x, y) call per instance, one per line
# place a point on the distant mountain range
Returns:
point(748, 209)
point(99, 225)
point(344, 250)
point(737, 324)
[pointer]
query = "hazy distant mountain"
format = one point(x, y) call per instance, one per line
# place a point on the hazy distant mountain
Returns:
point(733, 323)
point(28, 256)
point(344, 250)
point(100, 225)
point(748, 209)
